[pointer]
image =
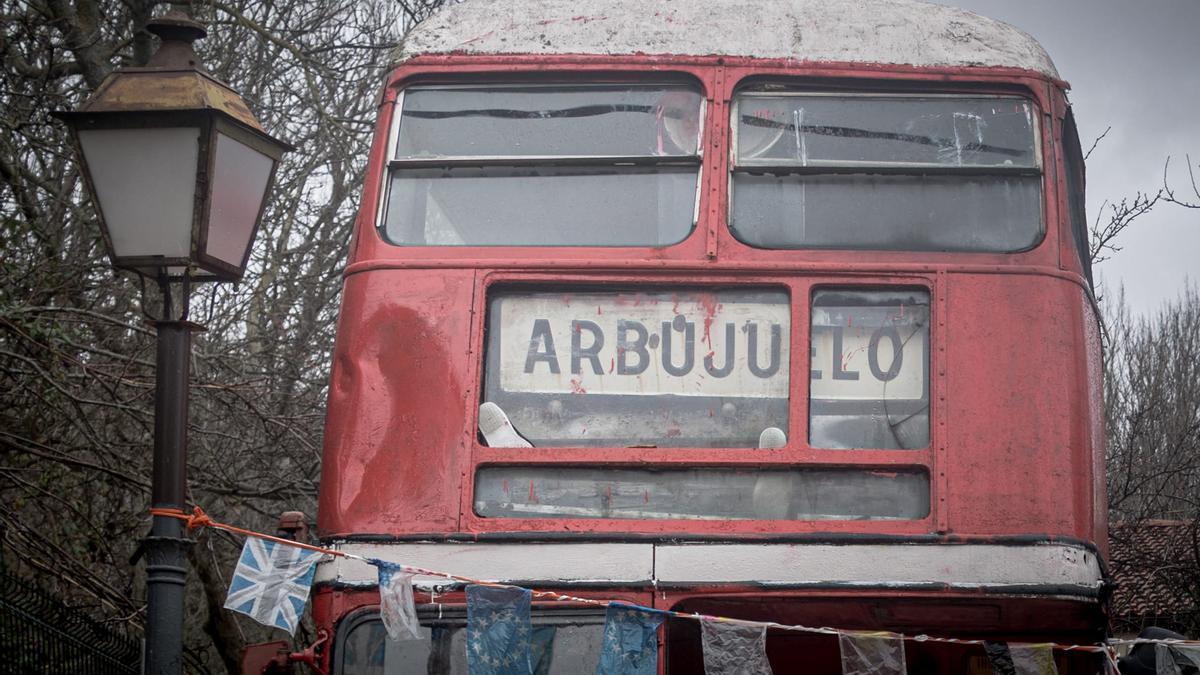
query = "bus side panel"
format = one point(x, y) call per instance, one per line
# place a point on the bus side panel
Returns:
point(1094, 365)
point(1019, 448)
point(395, 449)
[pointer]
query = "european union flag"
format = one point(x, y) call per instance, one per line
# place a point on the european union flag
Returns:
point(630, 645)
point(499, 630)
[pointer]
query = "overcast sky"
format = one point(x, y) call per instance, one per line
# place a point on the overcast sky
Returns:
point(1134, 66)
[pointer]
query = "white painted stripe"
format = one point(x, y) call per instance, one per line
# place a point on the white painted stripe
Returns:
point(957, 565)
point(970, 564)
point(617, 563)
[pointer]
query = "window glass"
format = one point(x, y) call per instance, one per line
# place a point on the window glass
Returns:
point(916, 173)
point(594, 165)
point(701, 494)
point(672, 368)
point(1073, 167)
point(541, 206)
point(558, 120)
point(869, 369)
point(908, 213)
point(564, 643)
point(817, 130)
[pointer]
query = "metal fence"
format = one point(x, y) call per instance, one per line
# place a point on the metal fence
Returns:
point(38, 634)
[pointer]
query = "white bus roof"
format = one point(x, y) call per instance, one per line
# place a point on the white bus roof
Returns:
point(853, 31)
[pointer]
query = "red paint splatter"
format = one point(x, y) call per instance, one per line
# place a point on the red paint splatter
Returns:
point(598, 310)
point(577, 387)
point(612, 363)
point(504, 486)
point(608, 491)
point(711, 307)
point(645, 496)
point(846, 356)
point(532, 495)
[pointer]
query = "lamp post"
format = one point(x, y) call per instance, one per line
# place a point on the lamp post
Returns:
point(179, 170)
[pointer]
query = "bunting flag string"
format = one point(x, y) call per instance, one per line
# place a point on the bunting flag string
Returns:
point(397, 608)
point(271, 583)
point(1176, 659)
point(630, 642)
point(499, 631)
point(274, 577)
point(872, 653)
point(1013, 658)
point(999, 658)
point(734, 648)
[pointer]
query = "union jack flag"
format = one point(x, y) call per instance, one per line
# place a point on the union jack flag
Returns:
point(271, 582)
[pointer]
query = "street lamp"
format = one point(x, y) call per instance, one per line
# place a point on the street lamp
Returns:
point(179, 170)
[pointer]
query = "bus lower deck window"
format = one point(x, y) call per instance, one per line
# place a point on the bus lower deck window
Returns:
point(869, 369)
point(683, 367)
point(563, 642)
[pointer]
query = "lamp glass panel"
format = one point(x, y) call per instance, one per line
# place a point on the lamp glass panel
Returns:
point(240, 175)
point(145, 181)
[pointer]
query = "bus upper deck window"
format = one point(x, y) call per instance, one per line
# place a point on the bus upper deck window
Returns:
point(874, 171)
point(549, 165)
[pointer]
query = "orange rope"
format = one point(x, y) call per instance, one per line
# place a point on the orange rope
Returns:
point(198, 518)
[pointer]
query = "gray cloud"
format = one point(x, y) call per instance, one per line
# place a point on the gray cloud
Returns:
point(1134, 67)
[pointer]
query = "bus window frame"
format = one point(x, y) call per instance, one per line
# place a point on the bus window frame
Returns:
point(927, 361)
point(797, 452)
point(1074, 191)
point(661, 78)
point(798, 88)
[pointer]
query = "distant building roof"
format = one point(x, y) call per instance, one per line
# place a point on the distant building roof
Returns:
point(852, 31)
point(1157, 573)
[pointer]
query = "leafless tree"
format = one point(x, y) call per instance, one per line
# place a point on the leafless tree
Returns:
point(76, 356)
point(1152, 387)
point(1114, 217)
point(1152, 416)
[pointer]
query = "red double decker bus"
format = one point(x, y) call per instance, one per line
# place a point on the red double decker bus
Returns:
point(775, 311)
